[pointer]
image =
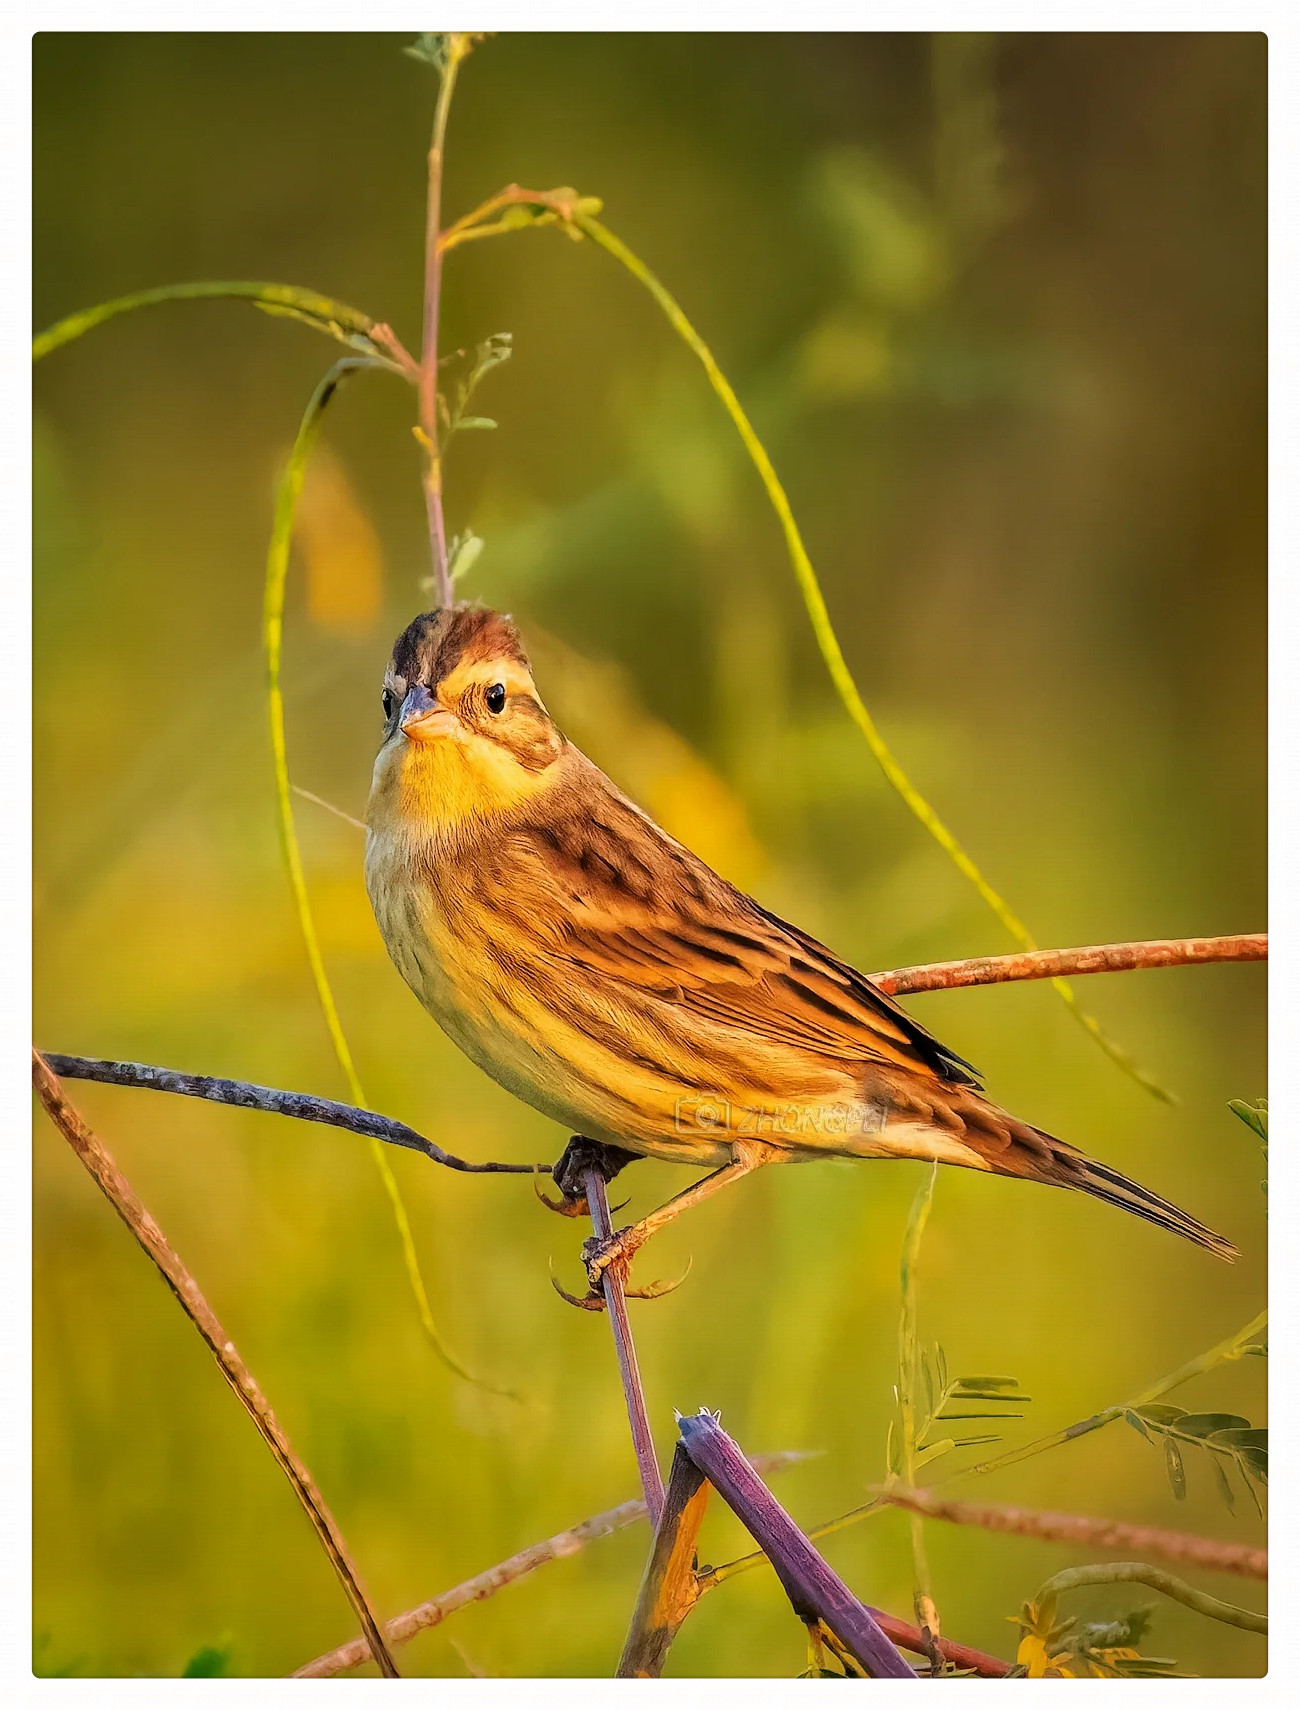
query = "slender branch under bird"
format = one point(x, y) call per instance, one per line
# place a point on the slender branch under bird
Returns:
point(612, 1287)
point(305, 1107)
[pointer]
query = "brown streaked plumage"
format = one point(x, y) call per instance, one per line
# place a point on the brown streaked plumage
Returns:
point(599, 970)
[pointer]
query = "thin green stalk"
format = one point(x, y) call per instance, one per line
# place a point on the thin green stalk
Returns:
point(277, 569)
point(1138, 1573)
point(828, 642)
point(909, 1378)
point(1231, 1348)
point(337, 320)
point(456, 47)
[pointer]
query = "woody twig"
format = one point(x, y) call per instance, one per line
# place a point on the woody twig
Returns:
point(120, 1195)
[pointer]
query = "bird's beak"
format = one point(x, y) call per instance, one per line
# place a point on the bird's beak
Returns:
point(422, 719)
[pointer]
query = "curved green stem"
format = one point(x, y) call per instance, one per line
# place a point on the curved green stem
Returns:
point(337, 320)
point(828, 642)
point(1138, 1573)
point(277, 569)
point(909, 1376)
point(573, 218)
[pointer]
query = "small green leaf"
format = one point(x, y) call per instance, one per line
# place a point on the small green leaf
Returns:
point(1138, 1424)
point(1224, 1483)
point(1255, 1116)
point(892, 1460)
point(988, 1383)
point(1174, 1467)
point(484, 422)
point(1207, 1424)
point(1160, 1414)
point(463, 554)
point(430, 49)
point(490, 353)
point(927, 1386)
point(932, 1452)
point(1250, 1447)
point(946, 1416)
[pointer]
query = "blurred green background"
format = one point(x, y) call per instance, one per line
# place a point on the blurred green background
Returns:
point(998, 307)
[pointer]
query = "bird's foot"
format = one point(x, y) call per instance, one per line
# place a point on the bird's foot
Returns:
point(615, 1255)
point(569, 1175)
point(612, 1257)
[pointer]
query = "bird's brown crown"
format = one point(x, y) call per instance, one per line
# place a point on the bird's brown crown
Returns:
point(435, 643)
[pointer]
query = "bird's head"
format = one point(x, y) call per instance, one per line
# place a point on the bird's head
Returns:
point(466, 736)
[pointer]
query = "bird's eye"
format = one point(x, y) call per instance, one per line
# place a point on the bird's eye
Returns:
point(390, 705)
point(496, 698)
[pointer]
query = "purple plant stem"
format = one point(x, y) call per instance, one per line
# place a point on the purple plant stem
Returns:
point(815, 1590)
point(611, 1282)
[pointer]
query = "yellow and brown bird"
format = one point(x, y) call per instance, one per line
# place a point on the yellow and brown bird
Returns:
point(603, 973)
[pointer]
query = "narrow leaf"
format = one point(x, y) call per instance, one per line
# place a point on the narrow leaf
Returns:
point(1206, 1424)
point(1160, 1414)
point(1138, 1424)
point(1174, 1467)
point(1224, 1483)
point(1254, 1116)
point(932, 1452)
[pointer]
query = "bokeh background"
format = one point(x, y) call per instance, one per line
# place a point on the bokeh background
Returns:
point(998, 307)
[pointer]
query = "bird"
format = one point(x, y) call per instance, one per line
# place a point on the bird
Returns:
point(600, 971)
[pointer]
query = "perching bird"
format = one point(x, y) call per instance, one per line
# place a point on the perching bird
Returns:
point(606, 975)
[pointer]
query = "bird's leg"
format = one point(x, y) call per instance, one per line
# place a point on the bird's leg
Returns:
point(569, 1175)
point(597, 1255)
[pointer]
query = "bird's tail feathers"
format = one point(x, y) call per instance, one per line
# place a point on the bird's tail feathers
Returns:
point(964, 1127)
point(1102, 1182)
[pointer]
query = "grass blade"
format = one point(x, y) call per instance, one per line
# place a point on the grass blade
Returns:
point(277, 570)
point(338, 321)
point(828, 642)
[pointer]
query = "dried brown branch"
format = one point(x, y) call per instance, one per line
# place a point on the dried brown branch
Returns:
point(669, 1587)
point(494, 1579)
point(612, 1284)
point(1090, 959)
point(120, 1195)
point(910, 1638)
point(304, 1107)
point(1089, 1533)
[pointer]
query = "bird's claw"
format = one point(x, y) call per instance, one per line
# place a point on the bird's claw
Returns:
point(657, 1290)
point(592, 1301)
point(564, 1206)
point(599, 1256)
point(588, 1302)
